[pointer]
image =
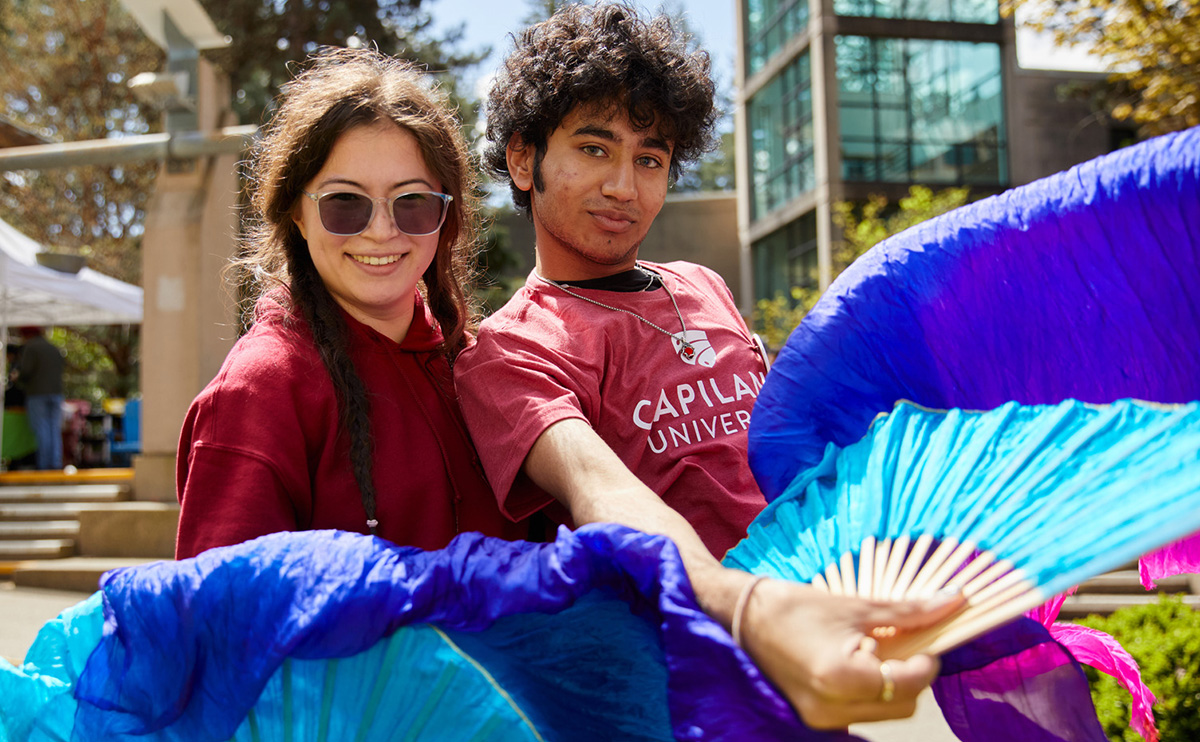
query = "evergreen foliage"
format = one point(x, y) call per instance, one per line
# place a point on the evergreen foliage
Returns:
point(1164, 638)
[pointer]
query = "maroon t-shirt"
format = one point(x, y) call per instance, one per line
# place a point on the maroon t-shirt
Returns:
point(261, 450)
point(679, 424)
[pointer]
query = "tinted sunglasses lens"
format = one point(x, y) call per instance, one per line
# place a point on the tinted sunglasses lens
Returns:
point(345, 213)
point(419, 213)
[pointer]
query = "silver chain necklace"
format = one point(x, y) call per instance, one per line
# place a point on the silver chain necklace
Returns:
point(688, 350)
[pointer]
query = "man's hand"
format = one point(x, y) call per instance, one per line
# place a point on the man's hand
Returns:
point(819, 651)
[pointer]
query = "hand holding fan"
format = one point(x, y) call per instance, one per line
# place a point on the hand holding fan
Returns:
point(1008, 506)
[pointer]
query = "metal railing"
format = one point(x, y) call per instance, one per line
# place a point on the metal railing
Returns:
point(181, 146)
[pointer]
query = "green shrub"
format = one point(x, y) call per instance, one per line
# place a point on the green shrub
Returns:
point(1164, 638)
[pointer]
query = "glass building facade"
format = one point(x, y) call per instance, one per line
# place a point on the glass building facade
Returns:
point(780, 120)
point(910, 101)
point(958, 11)
point(920, 111)
point(787, 257)
point(769, 25)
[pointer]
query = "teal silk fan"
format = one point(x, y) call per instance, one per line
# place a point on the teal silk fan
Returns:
point(1009, 506)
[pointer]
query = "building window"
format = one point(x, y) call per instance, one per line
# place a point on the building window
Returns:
point(921, 111)
point(962, 11)
point(769, 25)
point(786, 258)
point(781, 138)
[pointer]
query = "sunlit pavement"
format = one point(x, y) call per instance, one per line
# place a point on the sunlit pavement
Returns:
point(927, 725)
point(23, 610)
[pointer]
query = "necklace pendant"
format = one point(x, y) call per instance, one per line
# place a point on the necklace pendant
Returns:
point(694, 349)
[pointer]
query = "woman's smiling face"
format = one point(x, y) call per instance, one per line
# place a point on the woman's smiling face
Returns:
point(372, 275)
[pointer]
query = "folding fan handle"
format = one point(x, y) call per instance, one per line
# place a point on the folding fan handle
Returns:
point(995, 592)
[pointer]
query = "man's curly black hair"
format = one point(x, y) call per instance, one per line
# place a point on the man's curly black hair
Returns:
point(601, 54)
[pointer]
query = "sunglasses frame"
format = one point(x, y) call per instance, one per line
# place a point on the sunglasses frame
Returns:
point(391, 211)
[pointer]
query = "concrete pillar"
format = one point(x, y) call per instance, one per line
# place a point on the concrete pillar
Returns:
point(189, 324)
point(741, 164)
point(827, 156)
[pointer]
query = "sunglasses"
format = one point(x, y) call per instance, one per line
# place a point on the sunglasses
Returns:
point(416, 214)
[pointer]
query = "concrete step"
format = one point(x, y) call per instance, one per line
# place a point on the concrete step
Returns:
point(129, 530)
point(82, 476)
point(44, 548)
point(35, 529)
point(74, 573)
point(1127, 582)
point(42, 510)
point(64, 493)
point(1078, 606)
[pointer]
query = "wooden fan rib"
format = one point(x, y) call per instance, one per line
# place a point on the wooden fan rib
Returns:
point(899, 551)
point(849, 584)
point(911, 565)
point(866, 568)
point(834, 579)
point(882, 554)
point(966, 570)
point(966, 631)
point(974, 620)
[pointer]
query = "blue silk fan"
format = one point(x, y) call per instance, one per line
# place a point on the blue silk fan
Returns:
point(420, 683)
point(320, 636)
point(1009, 506)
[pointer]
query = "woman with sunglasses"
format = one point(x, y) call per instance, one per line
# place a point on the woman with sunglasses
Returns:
point(336, 409)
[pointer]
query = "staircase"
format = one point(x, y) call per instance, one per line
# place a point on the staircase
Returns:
point(62, 531)
point(42, 521)
point(1108, 592)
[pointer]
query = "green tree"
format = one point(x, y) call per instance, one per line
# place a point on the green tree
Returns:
point(863, 225)
point(269, 40)
point(866, 225)
point(714, 171)
point(540, 10)
point(64, 75)
point(99, 364)
point(1153, 44)
point(500, 273)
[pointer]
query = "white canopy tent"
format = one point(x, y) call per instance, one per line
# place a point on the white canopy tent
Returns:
point(33, 295)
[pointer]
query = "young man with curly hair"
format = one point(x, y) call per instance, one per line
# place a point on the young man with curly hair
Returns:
point(617, 390)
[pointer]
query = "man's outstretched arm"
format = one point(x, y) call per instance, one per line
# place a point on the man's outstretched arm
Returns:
point(812, 645)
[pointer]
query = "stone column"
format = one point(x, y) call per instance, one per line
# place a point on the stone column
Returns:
point(189, 323)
